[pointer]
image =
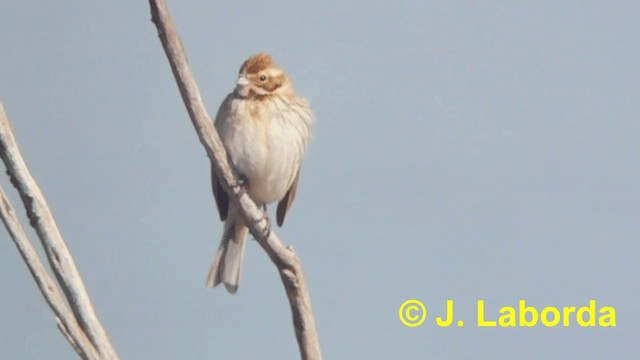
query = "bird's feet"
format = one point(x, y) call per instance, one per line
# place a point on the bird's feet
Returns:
point(240, 185)
point(267, 222)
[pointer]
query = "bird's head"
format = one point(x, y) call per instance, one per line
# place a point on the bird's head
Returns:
point(260, 77)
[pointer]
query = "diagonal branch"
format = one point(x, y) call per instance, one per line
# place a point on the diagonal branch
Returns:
point(287, 262)
point(59, 257)
point(67, 323)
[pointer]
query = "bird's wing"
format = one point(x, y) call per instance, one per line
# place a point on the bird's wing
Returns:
point(221, 196)
point(287, 200)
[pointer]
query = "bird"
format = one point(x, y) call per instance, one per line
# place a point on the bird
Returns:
point(265, 128)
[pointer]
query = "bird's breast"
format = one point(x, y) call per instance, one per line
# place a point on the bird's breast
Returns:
point(266, 141)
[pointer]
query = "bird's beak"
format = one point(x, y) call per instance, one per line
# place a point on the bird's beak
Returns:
point(242, 81)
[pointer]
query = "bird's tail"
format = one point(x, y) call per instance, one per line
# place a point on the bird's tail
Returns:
point(228, 261)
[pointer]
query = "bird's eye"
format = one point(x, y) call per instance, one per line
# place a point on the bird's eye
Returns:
point(263, 77)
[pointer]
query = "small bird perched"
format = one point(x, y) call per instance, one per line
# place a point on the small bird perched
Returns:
point(265, 128)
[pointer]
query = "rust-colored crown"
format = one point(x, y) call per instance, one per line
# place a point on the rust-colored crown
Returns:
point(257, 63)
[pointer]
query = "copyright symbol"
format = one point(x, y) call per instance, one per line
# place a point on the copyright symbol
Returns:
point(412, 313)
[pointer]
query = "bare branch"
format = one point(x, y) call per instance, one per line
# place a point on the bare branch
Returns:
point(79, 349)
point(58, 255)
point(66, 322)
point(288, 264)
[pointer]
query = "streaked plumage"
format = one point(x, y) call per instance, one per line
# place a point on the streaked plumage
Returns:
point(265, 128)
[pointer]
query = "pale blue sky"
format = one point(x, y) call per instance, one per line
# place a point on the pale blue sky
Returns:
point(462, 151)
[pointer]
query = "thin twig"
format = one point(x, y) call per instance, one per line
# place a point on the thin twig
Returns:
point(59, 257)
point(288, 264)
point(66, 322)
